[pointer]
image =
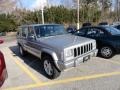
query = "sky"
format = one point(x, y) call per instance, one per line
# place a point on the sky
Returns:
point(37, 4)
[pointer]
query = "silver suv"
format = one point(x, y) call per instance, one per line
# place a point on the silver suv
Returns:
point(56, 49)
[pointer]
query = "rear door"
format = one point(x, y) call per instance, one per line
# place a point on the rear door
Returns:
point(23, 36)
point(32, 44)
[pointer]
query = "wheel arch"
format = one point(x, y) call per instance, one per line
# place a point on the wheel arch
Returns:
point(49, 52)
point(53, 55)
point(19, 44)
point(111, 46)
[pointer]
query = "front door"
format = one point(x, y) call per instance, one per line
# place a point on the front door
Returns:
point(97, 34)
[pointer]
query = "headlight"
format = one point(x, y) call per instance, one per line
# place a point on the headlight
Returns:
point(69, 53)
point(94, 45)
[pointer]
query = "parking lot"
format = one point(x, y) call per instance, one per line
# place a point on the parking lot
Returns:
point(26, 73)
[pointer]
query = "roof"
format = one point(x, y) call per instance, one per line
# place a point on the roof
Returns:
point(99, 26)
point(38, 25)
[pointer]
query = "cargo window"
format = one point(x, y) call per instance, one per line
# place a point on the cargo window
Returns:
point(19, 32)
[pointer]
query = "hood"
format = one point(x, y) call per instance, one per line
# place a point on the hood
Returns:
point(63, 41)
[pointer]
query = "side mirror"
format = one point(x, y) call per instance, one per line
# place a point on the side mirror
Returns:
point(1, 41)
point(31, 37)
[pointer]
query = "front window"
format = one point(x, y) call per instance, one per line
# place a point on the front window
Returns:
point(49, 30)
point(118, 27)
point(112, 30)
point(95, 32)
point(80, 32)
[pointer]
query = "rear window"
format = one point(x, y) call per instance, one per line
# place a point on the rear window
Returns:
point(112, 30)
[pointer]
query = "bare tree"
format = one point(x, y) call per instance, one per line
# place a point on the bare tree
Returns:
point(7, 5)
point(117, 9)
point(106, 5)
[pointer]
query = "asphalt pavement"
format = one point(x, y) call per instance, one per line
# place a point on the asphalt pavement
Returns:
point(25, 73)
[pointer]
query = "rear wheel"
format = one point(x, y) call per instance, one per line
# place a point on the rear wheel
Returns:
point(107, 52)
point(22, 51)
point(49, 67)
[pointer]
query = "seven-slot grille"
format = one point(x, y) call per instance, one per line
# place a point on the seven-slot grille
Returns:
point(82, 49)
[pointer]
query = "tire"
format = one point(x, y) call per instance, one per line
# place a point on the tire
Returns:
point(107, 52)
point(22, 51)
point(49, 68)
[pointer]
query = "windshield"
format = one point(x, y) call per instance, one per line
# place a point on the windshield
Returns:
point(113, 30)
point(49, 30)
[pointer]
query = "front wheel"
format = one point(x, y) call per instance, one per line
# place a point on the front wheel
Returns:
point(49, 68)
point(107, 52)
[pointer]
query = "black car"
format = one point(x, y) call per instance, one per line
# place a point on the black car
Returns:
point(117, 26)
point(71, 29)
point(86, 24)
point(103, 23)
point(107, 38)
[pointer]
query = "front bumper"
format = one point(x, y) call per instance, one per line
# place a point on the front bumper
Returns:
point(76, 61)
